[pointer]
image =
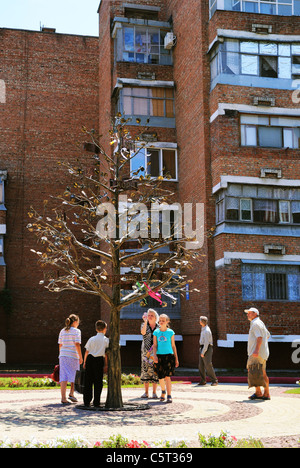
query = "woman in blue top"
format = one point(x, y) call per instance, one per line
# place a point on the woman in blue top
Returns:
point(165, 356)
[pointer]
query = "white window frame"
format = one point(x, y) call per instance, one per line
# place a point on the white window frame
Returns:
point(251, 210)
point(220, 5)
point(160, 147)
point(244, 126)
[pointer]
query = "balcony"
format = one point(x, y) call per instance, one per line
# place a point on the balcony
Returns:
point(267, 7)
point(263, 64)
point(141, 41)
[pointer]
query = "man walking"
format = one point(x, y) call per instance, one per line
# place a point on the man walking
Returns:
point(258, 348)
point(206, 353)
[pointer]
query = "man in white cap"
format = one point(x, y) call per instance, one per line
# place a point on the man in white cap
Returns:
point(258, 348)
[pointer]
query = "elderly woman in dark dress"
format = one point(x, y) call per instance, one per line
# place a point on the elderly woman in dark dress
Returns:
point(147, 369)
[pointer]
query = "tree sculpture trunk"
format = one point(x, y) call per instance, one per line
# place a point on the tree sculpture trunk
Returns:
point(114, 395)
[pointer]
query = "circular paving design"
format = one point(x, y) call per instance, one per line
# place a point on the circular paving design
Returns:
point(39, 414)
point(154, 413)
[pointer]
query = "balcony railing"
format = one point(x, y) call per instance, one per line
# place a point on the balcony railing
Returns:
point(267, 7)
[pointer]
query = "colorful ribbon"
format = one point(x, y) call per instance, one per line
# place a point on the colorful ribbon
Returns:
point(153, 294)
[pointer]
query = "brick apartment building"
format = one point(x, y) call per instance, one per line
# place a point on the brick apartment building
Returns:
point(51, 90)
point(221, 93)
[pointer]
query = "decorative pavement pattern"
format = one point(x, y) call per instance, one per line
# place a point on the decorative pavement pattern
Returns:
point(207, 410)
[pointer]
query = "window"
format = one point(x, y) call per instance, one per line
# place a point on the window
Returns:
point(276, 286)
point(265, 211)
point(3, 177)
point(256, 58)
point(295, 209)
point(267, 7)
point(270, 132)
point(140, 44)
point(1, 191)
point(270, 282)
point(284, 212)
point(155, 162)
point(157, 102)
point(296, 65)
point(246, 209)
point(258, 204)
point(268, 67)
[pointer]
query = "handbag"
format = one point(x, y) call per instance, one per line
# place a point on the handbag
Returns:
point(255, 374)
point(55, 375)
point(79, 381)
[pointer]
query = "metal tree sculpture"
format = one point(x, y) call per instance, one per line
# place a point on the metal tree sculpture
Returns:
point(108, 219)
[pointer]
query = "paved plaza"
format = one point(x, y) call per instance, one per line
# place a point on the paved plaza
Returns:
point(207, 410)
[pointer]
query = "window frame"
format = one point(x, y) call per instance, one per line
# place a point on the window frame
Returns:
point(251, 210)
point(230, 57)
point(282, 217)
point(162, 52)
point(149, 99)
point(160, 149)
point(256, 281)
point(292, 129)
point(240, 5)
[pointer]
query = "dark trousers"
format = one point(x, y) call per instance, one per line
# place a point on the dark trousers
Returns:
point(93, 378)
point(205, 366)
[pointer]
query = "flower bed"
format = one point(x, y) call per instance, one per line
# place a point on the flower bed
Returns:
point(26, 383)
point(6, 383)
point(224, 440)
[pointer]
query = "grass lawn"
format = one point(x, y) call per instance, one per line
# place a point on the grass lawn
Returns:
point(294, 391)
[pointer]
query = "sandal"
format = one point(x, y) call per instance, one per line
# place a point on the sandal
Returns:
point(255, 397)
point(145, 395)
point(163, 393)
point(169, 399)
point(72, 398)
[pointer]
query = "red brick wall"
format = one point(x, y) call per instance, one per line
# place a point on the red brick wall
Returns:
point(51, 92)
point(191, 75)
point(205, 153)
point(231, 307)
point(117, 7)
point(109, 72)
point(243, 22)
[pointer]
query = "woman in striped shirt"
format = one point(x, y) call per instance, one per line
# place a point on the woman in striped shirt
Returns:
point(70, 356)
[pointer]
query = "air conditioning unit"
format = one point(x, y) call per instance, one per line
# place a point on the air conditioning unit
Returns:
point(169, 41)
